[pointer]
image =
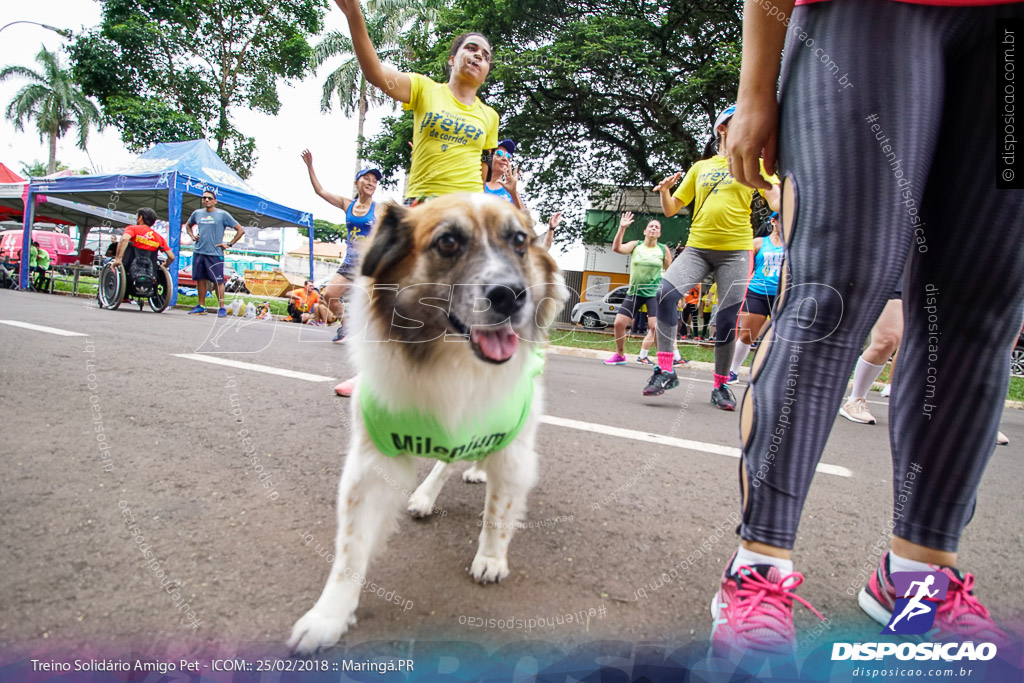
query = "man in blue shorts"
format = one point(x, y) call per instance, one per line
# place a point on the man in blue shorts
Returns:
point(208, 255)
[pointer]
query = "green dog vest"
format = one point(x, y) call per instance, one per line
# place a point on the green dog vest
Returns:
point(411, 432)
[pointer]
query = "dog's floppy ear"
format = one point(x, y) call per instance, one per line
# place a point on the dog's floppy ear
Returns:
point(392, 241)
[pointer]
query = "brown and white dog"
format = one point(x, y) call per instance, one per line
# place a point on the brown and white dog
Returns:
point(460, 300)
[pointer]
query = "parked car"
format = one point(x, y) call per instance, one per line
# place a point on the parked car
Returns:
point(60, 246)
point(1017, 357)
point(594, 314)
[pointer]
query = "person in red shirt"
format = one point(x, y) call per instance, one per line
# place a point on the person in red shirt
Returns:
point(144, 240)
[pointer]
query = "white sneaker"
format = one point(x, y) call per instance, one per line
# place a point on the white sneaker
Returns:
point(1001, 439)
point(856, 410)
point(885, 390)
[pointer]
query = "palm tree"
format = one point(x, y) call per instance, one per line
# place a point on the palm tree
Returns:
point(53, 100)
point(389, 23)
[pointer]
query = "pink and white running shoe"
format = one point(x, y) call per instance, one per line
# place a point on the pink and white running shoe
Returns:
point(960, 617)
point(753, 611)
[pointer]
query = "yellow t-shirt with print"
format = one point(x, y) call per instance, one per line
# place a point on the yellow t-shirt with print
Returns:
point(722, 219)
point(448, 139)
point(711, 298)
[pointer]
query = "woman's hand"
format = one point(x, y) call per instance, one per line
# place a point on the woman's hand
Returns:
point(555, 219)
point(753, 131)
point(510, 180)
point(626, 220)
point(348, 6)
point(666, 184)
point(307, 158)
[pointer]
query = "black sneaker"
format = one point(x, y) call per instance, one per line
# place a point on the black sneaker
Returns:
point(660, 381)
point(339, 336)
point(722, 398)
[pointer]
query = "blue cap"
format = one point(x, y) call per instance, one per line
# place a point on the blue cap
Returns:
point(369, 170)
point(509, 145)
point(725, 115)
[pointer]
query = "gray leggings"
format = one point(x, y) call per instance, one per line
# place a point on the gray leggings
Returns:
point(732, 271)
point(902, 161)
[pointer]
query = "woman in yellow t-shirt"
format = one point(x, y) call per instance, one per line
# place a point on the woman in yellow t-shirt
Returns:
point(720, 242)
point(451, 126)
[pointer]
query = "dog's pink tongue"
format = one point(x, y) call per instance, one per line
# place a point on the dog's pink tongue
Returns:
point(497, 344)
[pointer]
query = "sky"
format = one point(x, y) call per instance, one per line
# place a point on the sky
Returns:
point(279, 173)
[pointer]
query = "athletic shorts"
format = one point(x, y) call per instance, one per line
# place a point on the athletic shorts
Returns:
point(348, 271)
point(632, 304)
point(758, 304)
point(207, 267)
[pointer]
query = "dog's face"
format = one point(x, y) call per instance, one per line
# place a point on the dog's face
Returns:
point(460, 268)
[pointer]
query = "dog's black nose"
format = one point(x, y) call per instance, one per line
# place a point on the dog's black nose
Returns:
point(506, 298)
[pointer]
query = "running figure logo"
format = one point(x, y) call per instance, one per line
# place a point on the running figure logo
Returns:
point(914, 612)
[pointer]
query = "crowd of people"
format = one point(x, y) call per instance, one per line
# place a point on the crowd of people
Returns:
point(810, 151)
point(829, 152)
point(804, 252)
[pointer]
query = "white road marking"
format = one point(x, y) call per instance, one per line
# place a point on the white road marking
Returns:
point(620, 432)
point(203, 358)
point(42, 328)
point(662, 440)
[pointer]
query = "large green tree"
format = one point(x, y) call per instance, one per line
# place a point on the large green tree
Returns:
point(53, 101)
point(597, 93)
point(325, 231)
point(169, 71)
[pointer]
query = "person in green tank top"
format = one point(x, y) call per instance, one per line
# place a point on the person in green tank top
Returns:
point(648, 261)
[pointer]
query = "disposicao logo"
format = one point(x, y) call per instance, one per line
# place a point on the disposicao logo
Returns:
point(919, 595)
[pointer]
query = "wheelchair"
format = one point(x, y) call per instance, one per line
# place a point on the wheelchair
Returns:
point(140, 282)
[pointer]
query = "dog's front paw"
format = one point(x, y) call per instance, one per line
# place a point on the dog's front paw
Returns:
point(317, 630)
point(474, 475)
point(487, 569)
point(420, 505)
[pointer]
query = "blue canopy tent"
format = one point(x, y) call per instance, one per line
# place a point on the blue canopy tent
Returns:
point(169, 178)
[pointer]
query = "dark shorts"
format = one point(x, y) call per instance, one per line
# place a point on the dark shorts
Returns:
point(897, 293)
point(349, 271)
point(632, 304)
point(206, 267)
point(758, 304)
point(294, 312)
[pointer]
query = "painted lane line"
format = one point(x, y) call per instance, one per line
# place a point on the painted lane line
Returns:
point(662, 440)
point(620, 432)
point(254, 367)
point(43, 328)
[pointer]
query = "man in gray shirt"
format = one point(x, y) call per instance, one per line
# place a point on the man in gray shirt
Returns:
point(208, 254)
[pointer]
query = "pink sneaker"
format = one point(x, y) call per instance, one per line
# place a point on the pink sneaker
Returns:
point(753, 611)
point(346, 388)
point(617, 359)
point(960, 617)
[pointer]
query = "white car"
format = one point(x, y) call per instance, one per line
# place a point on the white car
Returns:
point(593, 314)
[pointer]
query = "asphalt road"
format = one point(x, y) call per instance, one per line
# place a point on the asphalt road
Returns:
point(610, 514)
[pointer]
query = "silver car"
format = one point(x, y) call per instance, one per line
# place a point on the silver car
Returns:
point(594, 314)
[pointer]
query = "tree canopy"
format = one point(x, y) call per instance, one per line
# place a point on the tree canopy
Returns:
point(597, 93)
point(171, 71)
point(325, 231)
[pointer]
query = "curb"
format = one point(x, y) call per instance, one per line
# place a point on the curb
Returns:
point(703, 365)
